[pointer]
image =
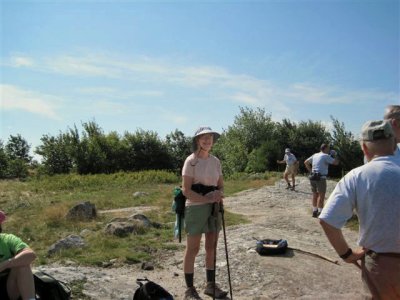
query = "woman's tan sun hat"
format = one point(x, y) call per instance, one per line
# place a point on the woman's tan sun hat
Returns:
point(203, 130)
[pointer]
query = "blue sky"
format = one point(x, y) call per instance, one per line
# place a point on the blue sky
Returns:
point(166, 65)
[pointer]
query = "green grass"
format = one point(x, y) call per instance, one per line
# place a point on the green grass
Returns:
point(36, 211)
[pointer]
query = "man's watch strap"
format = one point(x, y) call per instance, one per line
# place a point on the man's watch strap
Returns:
point(347, 254)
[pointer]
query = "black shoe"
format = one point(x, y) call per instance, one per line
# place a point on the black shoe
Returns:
point(288, 186)
point(315, 214)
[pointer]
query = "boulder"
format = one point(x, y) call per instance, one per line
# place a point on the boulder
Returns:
point(82, 211)
point(71, 241)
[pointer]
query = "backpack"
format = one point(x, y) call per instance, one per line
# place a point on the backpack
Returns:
point(271, 247)
point(49, 288)
point(150, 291)
point(180, 201)
point(179, 208)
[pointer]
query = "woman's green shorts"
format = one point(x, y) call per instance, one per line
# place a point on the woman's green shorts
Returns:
point(199, 219)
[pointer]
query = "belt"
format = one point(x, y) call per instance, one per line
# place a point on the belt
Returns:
point(374, 254)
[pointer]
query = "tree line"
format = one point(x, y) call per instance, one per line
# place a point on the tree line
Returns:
point(252, 144)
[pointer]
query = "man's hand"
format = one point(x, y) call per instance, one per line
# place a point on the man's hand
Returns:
point(4, 265)
point(357, 255)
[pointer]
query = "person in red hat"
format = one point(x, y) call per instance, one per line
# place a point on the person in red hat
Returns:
point(16, 278)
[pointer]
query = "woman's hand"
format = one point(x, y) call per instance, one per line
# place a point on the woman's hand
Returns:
point(214, 196)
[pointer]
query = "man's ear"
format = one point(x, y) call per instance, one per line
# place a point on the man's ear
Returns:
point(364, 149)
point(395, 123)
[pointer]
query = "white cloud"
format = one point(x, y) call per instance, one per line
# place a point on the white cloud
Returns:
point(246, 99)
point(22, 61)
point(155, 78)
point(15, 98)
point(113, 93)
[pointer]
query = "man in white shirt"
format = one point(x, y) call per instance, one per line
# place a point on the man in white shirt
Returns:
point(318, 164)
point(373, 191)
point(292, 165)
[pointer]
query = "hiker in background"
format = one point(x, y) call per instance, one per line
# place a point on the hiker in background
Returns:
point(372, 190)
point(16, 279)
point(202, 168)
point(292, 165)
point(318, 165)
point(392, 114)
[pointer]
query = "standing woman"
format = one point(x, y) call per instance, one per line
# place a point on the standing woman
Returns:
point(203, 187)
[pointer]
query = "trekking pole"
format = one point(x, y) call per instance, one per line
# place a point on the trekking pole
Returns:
point(214, 213)
point(226, 250)
point(179, 227)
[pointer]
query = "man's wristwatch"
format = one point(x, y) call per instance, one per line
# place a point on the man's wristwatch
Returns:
point(347, 254)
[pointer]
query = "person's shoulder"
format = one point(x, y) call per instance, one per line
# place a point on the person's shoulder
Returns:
point(213, 157)
point(190, 158)
point(9, 237)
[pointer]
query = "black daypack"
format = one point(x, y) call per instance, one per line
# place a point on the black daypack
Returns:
point(271, 247)
point(49, 288)
point(150, 291)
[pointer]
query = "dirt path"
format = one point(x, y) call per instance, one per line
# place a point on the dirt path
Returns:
point(275, 213)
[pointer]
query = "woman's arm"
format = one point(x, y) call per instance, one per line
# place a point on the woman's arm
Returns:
point(187, 183)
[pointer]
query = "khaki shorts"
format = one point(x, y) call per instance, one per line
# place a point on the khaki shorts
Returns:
point(291, 170)
point(318, 186)
point(380, 276)
point(198, 219)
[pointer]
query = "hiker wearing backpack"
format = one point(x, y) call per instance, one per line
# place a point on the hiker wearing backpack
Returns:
point(16, 279)
point(202, 185)
point(318, 165)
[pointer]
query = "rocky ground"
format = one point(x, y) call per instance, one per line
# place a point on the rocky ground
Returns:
point(275, 213)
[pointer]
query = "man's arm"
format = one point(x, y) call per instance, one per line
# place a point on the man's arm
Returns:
point(23, 258)
point(338, 242)
point(308, 165)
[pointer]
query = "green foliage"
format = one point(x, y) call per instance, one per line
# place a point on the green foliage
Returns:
point(14, 158)
point(94, 152)
point(264, 157)
point(179, 148)
point(3, 161)
point(17, 148)
point(249, 131)
point(146, 151)
point(56, 158)
point(253, 143)
point(347, 147)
